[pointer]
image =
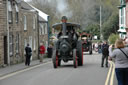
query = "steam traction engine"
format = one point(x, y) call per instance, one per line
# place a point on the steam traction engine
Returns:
point(67, 47)
point(86, 42)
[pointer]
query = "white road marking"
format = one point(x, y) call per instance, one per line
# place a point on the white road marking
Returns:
point(12, 74)
point(111, 74)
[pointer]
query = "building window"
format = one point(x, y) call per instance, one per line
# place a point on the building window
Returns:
point(46, 28)
point(127, 19)
point(122, 16)
point(25, 23)
point(17, 17)
point(17, 43)
point(11, 44)
point(30, 41)
point(17, 13)
point(42, 31)
point(34, 22)
point(10, 16)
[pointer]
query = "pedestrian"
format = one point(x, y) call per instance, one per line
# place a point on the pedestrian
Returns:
point(41, 51)
point(120, 54)
point(49, 50)
point(126, 41)
point(105, 53)
point(93, 46)
point(28, 51)
point(99, 47)
point(96, 47)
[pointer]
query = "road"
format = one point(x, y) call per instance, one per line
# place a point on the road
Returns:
point(44, 74)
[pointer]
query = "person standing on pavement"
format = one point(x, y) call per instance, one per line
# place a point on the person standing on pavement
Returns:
point(28, 51)
point(49, 50)
point(41, 51)
point(105, 53)
point(120, 54)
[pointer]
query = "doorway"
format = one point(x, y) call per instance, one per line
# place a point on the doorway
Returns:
point(5, 50)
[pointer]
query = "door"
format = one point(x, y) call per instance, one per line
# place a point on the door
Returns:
point(5, 49)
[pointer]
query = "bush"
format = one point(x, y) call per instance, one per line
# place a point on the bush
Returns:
point(112, 38)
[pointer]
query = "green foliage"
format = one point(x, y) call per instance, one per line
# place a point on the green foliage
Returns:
point(110, 26)
point(84, 12)
point(93, 29)
point(112, 38)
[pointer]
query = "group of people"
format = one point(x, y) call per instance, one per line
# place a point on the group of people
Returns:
point(118, 52)
point(97, 47)
point(42, 50)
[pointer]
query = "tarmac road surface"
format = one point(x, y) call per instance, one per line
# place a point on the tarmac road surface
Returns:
point(44, 74)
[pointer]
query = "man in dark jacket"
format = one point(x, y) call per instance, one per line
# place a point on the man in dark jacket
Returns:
point(105, 53)
point(49, 50)
point(28, 51)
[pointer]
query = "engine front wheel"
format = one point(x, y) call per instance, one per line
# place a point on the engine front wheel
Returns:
point(55, 59)
point(80, 53)
point(75, 59)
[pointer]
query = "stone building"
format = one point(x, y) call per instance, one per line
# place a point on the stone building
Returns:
point(122, 19)
point(126, 18)
point(29, 29)
point(19, 25)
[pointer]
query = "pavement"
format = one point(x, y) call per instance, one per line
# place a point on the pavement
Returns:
point(13, 68)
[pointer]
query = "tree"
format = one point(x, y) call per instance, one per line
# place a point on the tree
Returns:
point(112, 38)
point(110, 26)
point(93, 29)
point(84, 12)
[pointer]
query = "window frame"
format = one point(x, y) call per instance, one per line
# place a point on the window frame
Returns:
point(25, 22)
point(17, 43)
point(11, 45)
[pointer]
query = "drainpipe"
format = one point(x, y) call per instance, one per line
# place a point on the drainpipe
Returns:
point(8, 34)
point(38, 34)
point(48, 27)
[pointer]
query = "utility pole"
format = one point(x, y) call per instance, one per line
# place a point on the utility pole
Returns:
point(100, 21)
point(38, 30)
point(7, 34)
point(48, 27)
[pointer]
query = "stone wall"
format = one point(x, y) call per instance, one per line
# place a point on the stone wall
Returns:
point(2, 27)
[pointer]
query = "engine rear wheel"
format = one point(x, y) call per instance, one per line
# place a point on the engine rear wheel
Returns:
point(75, 59)
point(80, 53)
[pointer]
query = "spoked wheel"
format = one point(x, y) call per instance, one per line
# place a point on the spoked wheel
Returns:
point(75, 59)
point(55, 59)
